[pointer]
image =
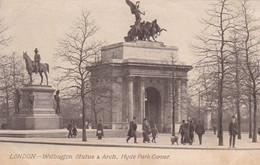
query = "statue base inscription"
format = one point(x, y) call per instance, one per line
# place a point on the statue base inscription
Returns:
point(36, 109)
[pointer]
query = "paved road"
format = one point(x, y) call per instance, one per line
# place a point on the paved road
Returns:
point(210, 142)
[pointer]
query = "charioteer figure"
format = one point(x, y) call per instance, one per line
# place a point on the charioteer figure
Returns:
point(142, 30)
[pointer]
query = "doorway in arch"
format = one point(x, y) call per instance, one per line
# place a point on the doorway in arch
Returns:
point(152, 106)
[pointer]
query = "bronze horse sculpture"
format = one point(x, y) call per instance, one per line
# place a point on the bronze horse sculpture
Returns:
point(30, 67)
point(145, 31)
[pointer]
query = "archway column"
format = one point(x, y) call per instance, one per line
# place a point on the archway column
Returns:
point(142, 99)
point(130, 98)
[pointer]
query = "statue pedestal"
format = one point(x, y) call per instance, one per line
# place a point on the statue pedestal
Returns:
point(38, 114)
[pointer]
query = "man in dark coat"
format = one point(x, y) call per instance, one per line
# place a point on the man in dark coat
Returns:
point(200, 130)
point(191, 132)
point(154, 133)
point(100, 131)
point(132, 131)
point(181, 131)
point(146, 131)
point(233, 128)
point(69, 128)
point(186, 136)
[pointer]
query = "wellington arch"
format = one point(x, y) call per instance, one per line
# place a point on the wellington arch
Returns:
point(138, 76)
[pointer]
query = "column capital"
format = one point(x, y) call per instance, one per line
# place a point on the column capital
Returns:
point(130, 78)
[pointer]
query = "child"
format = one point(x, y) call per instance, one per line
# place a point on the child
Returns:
point(154, 133)
point(74, 131)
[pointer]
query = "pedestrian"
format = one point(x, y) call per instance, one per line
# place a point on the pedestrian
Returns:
point(191, 132)
point(233, 128)
point(186, 136)
point(132, 130)
point(146, 131)
point(181, 131)
point(154, 133)
point(75, 131)
point(214, 129)
point(100, 131)
point(200, 131)
point(69, 128)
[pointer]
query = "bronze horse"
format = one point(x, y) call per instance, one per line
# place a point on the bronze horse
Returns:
point(145, 31)
point(30, 67)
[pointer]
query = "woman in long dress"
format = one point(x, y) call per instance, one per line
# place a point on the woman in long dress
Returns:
point(100, 131)
point(146, 131)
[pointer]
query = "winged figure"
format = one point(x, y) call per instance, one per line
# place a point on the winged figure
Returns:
point(135, 9)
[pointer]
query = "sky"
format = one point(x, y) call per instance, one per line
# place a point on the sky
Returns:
point(40, 23)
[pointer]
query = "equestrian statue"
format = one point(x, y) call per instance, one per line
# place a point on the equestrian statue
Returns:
point(142, 30)
point(36, 66)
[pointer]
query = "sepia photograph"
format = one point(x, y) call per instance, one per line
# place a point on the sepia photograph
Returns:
point(129, 82)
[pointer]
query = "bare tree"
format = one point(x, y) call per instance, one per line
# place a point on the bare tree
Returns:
point(174, 93)
point(11, 78)
point(251, 43)
point(4, 38)
point(236, 75)
point(101, 97)
point(77, 50)
point(214, 50)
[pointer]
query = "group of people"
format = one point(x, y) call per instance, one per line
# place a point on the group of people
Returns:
point(147, 130)
point(188, 129)
point(72, 130)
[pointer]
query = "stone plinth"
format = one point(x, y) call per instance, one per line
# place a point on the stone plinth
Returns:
point(40, 114)
point(139, 50)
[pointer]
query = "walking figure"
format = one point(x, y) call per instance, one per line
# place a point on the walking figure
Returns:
point(100, 131)
point(191, 132)
point(146, 131)
point(200, 131)
point(75, 131)
point(233, 129)
point(69, 128)
point(182, 130)
point(132, 131)
point(154, 133)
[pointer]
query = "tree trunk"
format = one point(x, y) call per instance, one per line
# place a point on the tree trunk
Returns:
point(220, 106)
point(254, 139)
point(238, 96)
point(173, 108)
point(250, 112)
point(84, 136)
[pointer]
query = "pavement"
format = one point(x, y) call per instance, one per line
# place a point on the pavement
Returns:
point(210, 142)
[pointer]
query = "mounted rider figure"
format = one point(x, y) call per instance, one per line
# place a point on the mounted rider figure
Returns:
point(37, 59)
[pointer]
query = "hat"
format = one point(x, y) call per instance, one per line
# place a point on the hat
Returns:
point(36, 50)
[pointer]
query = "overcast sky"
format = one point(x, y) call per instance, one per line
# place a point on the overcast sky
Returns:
point(39, 23)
